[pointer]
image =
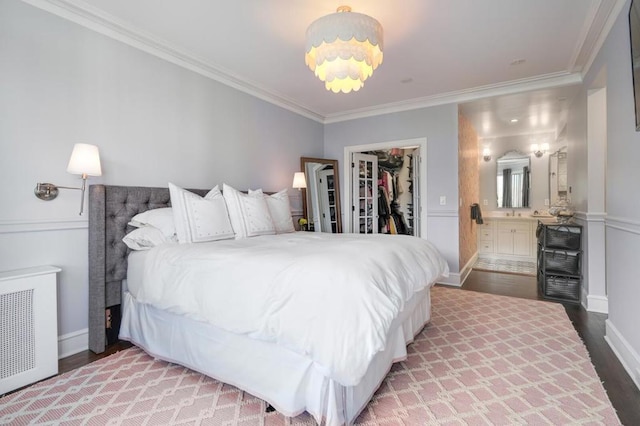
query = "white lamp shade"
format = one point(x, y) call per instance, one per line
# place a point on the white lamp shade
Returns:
point(299, 180)
point(85, 159)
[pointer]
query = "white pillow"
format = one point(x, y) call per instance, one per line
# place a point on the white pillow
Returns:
point(161, 219)
point(144, 238)
point(280, 209)
point(249, 213)
point(199, 219)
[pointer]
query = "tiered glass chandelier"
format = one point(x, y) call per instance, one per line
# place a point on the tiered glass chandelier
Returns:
point(343, 49)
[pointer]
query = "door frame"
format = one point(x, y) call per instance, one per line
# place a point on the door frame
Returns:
point(405, 143)
point(355, 192)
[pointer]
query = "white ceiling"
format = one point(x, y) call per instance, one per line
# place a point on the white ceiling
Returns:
point(435, 51)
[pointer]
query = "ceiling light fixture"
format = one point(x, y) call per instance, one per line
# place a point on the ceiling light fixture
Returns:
point(343, 49)
point(514, 120)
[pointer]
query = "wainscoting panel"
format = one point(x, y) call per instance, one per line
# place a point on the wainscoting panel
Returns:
point(623, 291)
point(594, 291)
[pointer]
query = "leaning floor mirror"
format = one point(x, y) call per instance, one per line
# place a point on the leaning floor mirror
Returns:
point(321, 197)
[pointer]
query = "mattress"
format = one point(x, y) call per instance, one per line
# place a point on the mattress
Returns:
point(135, 271)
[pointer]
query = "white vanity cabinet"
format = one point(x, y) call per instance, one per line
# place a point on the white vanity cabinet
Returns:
point(512, 238)
point(486, 237)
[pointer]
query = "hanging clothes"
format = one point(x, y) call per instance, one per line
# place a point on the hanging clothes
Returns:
point(384, 210)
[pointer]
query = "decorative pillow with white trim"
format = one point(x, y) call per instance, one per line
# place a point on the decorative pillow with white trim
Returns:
point(249, 213)
point(199, 219)
point(280, 209)
point(161, 219)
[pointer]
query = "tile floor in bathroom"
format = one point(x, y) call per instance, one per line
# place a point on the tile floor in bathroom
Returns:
point(508, 266)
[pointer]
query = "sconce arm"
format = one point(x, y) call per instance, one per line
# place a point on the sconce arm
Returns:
point(48, 191)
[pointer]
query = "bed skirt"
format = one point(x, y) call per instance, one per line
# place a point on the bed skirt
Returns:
point(290, 382)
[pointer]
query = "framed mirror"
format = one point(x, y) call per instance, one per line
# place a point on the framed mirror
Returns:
point(513, 180)
point(558, 187)
point(321, 197)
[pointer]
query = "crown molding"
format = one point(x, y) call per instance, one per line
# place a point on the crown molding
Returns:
point(589, 34)
point(546, 81)
point(606, 16)
point(602, 15)
point(94, 19)
point(524, 133)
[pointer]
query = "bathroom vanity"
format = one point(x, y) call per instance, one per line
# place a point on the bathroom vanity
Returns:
point(508, 237)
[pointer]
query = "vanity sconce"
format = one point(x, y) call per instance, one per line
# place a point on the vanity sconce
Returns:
point(85, 161)
point(486, 155)
point(299, 181)
point(539, 151)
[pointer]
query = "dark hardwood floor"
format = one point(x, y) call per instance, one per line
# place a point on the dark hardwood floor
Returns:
point(86, 357)
point(623, 393)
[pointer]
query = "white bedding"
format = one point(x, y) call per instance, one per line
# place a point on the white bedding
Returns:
point(331, 297)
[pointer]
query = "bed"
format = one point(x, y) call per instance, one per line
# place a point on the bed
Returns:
point(288, 345)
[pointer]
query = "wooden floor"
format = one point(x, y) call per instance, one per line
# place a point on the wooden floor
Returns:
point(623, 393)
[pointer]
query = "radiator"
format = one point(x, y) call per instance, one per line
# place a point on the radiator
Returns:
point(28, 326)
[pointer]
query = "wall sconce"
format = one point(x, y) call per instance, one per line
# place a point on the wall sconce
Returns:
point(299, 181)
point(85, 161)
point(486, 155)
point(539, 151)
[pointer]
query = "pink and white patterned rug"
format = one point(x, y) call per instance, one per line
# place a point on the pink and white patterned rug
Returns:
point(483, 359)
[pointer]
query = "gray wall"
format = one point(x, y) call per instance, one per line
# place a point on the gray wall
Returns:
point(440, 127)
point(154, 122)
point(622, 200)
point(577, 156)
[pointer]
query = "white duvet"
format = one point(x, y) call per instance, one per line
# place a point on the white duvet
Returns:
point(331, 297)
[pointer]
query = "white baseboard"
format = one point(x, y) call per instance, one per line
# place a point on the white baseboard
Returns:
point(466, 270)
point(452, 280)
point(598, 304)
point(626, 354)
point(72, 343)
point(456, 279)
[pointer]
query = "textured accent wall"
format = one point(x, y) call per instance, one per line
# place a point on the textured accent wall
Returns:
point(468, 187)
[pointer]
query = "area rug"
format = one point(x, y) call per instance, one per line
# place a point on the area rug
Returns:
point(483, 359)
point(520, 267)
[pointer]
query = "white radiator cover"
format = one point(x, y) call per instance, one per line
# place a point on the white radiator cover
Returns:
point(28, 326)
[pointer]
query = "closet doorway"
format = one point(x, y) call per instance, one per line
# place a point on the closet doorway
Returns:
point(385, 186)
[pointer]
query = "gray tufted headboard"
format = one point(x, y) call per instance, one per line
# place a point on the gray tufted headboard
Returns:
point(110, 210)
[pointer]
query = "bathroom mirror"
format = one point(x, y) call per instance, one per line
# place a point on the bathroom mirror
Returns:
point(558, 175)
point(513, 180)
point(321, 197)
